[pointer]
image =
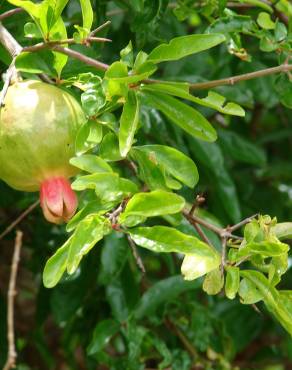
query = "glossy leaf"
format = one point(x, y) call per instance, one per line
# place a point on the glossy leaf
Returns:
point(183, 46)
point(232, 282)
point(56, 265)
point(264, 248)
point(155, 203)
point(213, 100)
point(109, 148)
point(89, 231)
point(274, 302)
point(161, 292)
point(186, 117)
point(128, 123)
point(102, 334)
point(87, 14)
point(91, 163)
point(174, 162)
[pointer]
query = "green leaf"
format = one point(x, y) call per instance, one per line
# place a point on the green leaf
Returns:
point(109, 148)
point(91, 163)
point(174, 162)
point(155, 203)
point(56, 265)
point(181, 90)
point(283, 230)
point(264, 248)
point(161, 292)
point(186, 117)
point(148, 170)
point(87, 14)
point(112, 84)
point(32, 63)
point(232, 282)
point(275, 302)
point(213, 282)
point(96, 207)
point(89, 231)
point(248, 292)
point(128, 123)
point(196, 265)
point(32, 31)
point(241, 149)
point(264, 20)
point(102, 334)
point(88, 136)
point(114, 255)
point(183, 46)
point(93, 99)
point(108, 186)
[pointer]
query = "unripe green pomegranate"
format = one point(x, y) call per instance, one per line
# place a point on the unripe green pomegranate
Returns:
point(38, 127)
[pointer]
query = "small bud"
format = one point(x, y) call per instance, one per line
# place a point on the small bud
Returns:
point(58, 200)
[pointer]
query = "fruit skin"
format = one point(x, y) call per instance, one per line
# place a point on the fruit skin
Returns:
point(38, 127)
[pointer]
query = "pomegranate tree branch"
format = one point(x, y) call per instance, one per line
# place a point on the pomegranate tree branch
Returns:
point(19, 219)
point(11, 357)
point(9, 13)
point(244, 77)
point(136, 255)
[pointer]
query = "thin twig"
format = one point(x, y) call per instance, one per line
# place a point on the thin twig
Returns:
point(19, 219)
point(11, 356)
point(52, 44)
point(136, 254)
point(202, 234)
point(99, 28)
point(9, 13)
point(7, 80)
point(223, 254)
point(242, 223)
point(83, 58)
point(243, 77)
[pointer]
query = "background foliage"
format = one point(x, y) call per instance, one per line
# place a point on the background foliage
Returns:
point(108, 314)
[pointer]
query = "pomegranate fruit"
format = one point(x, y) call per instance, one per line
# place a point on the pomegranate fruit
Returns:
point(38, 127)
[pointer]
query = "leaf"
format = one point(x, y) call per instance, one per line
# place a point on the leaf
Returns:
point(183, 46)
point(155, 203)
point(88, 136)
point(95, 206)
point(87, 14)
point(241, 149)
point(87, 234)
point(93, 99)
point(32, 63)
point(283, 230)
point(128, 123)
point(213, 282)
point(248, 292)
point(181, 90)
point(148, 170)
point(273, 300)
point(91, 163)
point(186, 117)
point(161, 292)
point(174, 162)
point(196, 265)
point(102, 334)
point(232, 282)
point(32, 31)
point(264, 248)
point(210, 156)
point(114, 255)
point(109, 148)
point(264, 20)
point(56, 265)
point(108, 186)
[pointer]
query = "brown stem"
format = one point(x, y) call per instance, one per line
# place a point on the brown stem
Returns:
point(19, 219)
point(136, 255)
point(242, 223)
point(52, 44)
point(83, 58)
point(244, 77)
point(9, 13)
point(11, 356)
point(98, 29)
